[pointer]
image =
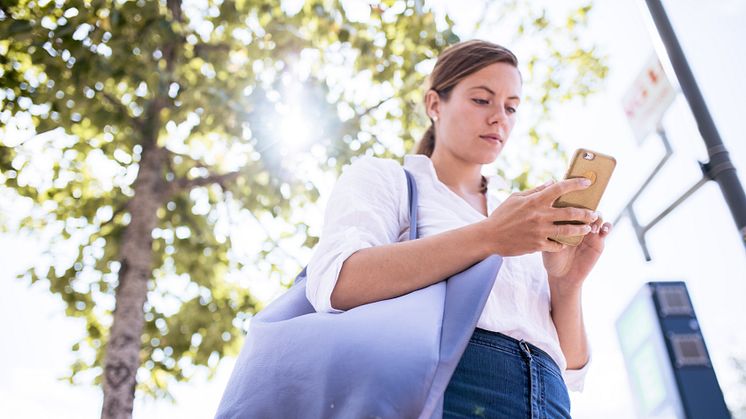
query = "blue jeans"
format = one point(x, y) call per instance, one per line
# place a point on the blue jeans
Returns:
point(501, 377)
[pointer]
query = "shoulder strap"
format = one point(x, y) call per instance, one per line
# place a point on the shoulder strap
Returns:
point(412, 189)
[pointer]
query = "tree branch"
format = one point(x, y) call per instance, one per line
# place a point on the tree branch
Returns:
point(125, 110)
point(196, 162)
point(184, 184)
point(152, 118)
point(271, 239)
point(199, 49)
point(175, 7)
point(116, 212)
point(374, 107)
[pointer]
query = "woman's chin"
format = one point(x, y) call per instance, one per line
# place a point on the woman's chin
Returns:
point(490, 156)
point(491, 152)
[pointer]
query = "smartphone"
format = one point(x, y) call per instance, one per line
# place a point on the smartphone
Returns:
point(591, 165)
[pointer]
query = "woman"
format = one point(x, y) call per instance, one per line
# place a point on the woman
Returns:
point(527, 347)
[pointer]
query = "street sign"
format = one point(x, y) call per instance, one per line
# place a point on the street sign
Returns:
point(648, 99)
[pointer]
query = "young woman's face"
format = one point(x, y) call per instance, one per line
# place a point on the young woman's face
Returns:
point(475, 122)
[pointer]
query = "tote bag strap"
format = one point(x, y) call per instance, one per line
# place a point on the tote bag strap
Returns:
point(412, 195)
point(412, 191)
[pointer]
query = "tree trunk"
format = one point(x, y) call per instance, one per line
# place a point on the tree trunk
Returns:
point(136, 255)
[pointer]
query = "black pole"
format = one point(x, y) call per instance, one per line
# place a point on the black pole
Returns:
point(719, 168)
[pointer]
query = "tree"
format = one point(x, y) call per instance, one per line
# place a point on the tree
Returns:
point(156, 119)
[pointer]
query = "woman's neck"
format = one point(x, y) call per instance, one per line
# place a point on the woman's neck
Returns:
point(461, 176)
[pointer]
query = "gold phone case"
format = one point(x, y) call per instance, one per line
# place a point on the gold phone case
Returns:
point(592, 165)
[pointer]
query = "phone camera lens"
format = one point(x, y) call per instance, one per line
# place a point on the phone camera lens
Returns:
point(588, 156)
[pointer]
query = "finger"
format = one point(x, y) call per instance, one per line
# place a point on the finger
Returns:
point(596, 225)
point(574, 230)
point(543, 186)
point(553, 246)
point(574, 214)
point(552, 192)
point(606, 229)
point(568, 230)
point(536, 189)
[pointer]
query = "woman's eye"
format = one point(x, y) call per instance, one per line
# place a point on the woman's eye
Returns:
point(512, 109)
point(481, 101)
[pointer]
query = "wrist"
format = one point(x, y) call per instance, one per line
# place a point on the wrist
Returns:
point(565, 288)
point(486, 236)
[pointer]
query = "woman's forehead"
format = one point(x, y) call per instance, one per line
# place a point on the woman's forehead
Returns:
point(495, 78)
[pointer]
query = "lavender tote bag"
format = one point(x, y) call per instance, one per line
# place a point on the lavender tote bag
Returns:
point(388, 359)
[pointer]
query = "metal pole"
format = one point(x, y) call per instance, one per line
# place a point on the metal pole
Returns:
point(629, 210)
point(719, 168)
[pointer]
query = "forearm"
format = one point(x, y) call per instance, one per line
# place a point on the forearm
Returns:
point(567, 314)
point(388, 271)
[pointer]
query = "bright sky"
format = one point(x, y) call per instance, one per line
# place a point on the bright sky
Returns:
point(697, 243)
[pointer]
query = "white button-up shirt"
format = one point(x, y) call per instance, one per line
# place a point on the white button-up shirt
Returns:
point(369, 206)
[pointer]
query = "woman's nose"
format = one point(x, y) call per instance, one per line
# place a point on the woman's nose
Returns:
point(497, 117)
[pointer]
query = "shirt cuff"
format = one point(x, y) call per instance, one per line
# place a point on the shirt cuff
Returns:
point(325, 277)
point(575, 379)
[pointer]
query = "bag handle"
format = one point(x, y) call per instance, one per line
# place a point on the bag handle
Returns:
point(412, 190)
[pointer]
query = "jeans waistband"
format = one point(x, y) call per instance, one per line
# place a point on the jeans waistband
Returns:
point(511, 345)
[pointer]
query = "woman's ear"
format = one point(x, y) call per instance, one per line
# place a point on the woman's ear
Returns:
point(432, 104)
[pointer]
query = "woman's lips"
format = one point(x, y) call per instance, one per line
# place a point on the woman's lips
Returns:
point(492, 138)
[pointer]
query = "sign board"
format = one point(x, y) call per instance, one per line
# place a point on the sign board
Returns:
point(648, 99)
point(667, 362)
point(649, 371)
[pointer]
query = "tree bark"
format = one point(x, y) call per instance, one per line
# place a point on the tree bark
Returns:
point(136, 257)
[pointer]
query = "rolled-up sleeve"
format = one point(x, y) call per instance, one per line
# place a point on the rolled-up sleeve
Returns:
point(575, 379)
point(367, 207)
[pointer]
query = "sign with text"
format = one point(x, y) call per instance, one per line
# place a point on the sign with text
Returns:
point(648, 98)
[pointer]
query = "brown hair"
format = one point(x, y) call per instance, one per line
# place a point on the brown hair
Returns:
point(454, 64)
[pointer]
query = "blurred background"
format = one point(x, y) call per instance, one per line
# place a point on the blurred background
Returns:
point(246, 112)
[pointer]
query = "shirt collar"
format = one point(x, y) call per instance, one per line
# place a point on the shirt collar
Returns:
point(422, 163)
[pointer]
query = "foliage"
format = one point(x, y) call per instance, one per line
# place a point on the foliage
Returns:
point(219, 90)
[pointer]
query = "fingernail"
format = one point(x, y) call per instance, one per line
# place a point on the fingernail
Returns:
point(595, 215)
point(585, 182)
point(588, 229)
point(594, 230)
point(605, 229)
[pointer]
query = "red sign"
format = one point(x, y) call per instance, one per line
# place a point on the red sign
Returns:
point(648, 99)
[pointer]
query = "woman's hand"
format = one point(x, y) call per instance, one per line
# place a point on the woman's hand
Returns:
point(525, 221)
point(569, 267)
